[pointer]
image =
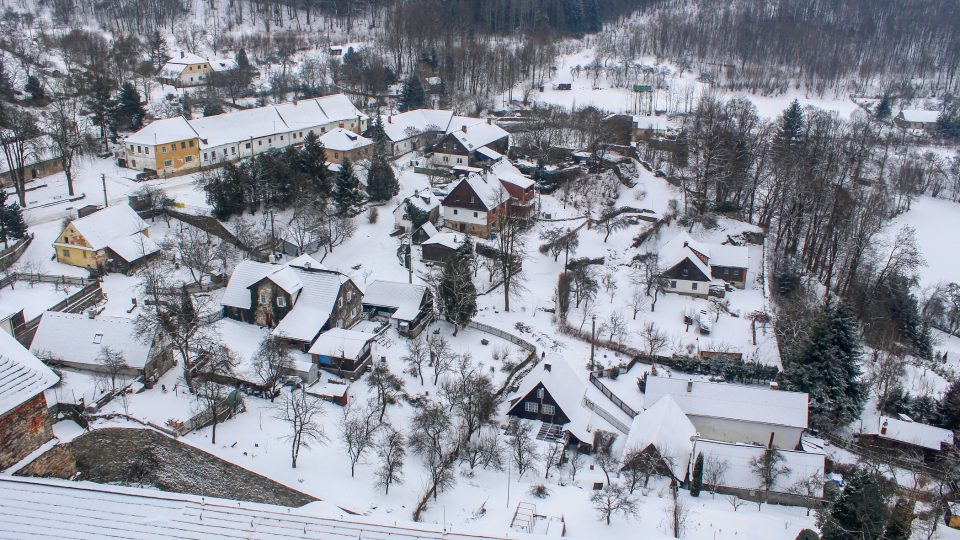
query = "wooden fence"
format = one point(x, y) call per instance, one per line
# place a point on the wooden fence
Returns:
point(487, 329)
point(12, 254)
point(602, 413)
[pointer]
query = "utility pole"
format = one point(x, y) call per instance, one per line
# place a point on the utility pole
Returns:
point(593, 340)
point(273, 237)
point(103, 179)
point(410, 261)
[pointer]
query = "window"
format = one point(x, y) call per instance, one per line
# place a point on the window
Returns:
point(263, 298)
point(269, 140)
point(353, 312)
point(131, 148)
point(281, 301)
point(673, 284)
point(183, 145)
point(247, 145)
point(281, 137)
point(188, 159)
point(454, 211)
point(475, 214)
point(693, 285)
point(205, 156)
point(531, 407)
point(233, 150)
point(336, 155)
point(191, 144)
point(549, 410)
point(340, 302)
point(139, 149)
point(146, 150)
point(163, 148)
point(259, 143)
point(167, 163)
point(349, 296)
point(446, 159)
point(66, 253)
point(97, 338)
point(685, 271)
point(540, 393)
point(322, 130)
point(459, 160)
point(64, 239)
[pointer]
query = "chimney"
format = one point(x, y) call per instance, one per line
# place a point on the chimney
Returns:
point(546, 366)
point(463, 128)
point(689, 385)
point(306, 265)
point(183, 54)
point(341, 124)
point(490, 121)
point(390, 119)
point(883, 428)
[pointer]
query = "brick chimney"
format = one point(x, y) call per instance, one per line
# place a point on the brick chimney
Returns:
point(689, 385)
point(463, 128)
point(390, 119)
point(183, 54)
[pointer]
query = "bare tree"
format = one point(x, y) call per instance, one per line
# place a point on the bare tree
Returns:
point(272, 361)
point(65, 127)
point(195, 249)
point(552, 457)
point(735, 502)
point(470, 395)
point(523, 451)
point(177, 317)
point(432, 437)
point(649, 276)
point(113, 362)
point(616, 327)
point(654, 339)
point(810, 487)
point(357, 429)
point(604, 458)
point(638, 301)
point(768, 468)
point(441, 356)
point(18, 139)
point(418, 353)
point(714, 472)
point(679, 514)
point(484, 449)
point(511, 247)
point(392, 450)
point(576, 462)
point(213, 361)
point(386, 384)
point(639, 466)
point(211, 402)
point(304, 416)
point(613, 499)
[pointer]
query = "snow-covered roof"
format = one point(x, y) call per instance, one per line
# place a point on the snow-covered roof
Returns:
point(489, 153)
point(681, 248)
point(422, 199)
point(913, 433)
point(134, 247)
point(665, 426)
point(731, 401)
point(475, 132)
point(489, 193)
point(402, 126)
point(429, 229)
point(76, 338)
point(245, 274)
point(648, 122)
point(567, 388)
point(451, 240)
point(313, 305)
point(53, 508)
point(406, 298)
point(341, 343)
point(22, 375)
point(508, 173)
point(739, 473)
point(306, 261)
point(308, 113)
point(238, 126)
point(7, 311)
point(343, 140)
point(108, 225)
point(223, 64)
point(186, 58)
point(287, 279)
point(728, 255)
point(163, 131)
point(920, 116)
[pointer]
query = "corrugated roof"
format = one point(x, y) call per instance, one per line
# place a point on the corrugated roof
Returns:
point(75, 337)
point(22, 376)
point(731, 401)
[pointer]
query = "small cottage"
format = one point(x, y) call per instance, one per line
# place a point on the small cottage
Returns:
point(341, 143)
point(664, 431)
point(472, 205)
point(909, 435)
point(917, 119)
point(472, 142)
point(694, 268)
point(442, 247)
point(407, 306)
point(185, 69)
point(114, 239)
point(418, 209)
point(343, 352)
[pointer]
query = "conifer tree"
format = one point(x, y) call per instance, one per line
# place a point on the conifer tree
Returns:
point(412, 96)
point(949, 408)
point(696, 483)
point(883, 108)
point(34, 88)
point(12, 226)
point(456, 291)
point(379, 137)
point(129, 112)
point(381, 180)
point(860, 513)
point(313, 164)
point(345, 193)
point(6, 85)
point(790, 132)
point(100, 104)
point(828, 369)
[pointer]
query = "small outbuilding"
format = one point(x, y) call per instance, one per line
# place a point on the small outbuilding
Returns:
point(442, 247)
point(343, 352)
point(407, 306)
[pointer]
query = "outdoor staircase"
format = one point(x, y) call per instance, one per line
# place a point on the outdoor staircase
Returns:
point(550, 432)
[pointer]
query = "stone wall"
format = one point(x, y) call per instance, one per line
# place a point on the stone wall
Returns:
point(23, 430)
point(57, 463)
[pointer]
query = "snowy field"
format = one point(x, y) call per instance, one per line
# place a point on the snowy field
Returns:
point(936, 222)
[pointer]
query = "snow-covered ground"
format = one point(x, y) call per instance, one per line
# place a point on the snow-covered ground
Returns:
point(936, 222)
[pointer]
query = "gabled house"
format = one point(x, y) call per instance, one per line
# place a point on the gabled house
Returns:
point(693, 267)
point(76, 340)
point(907, 434)
point(414, 130)
point(519, 188)
point(472, 205)
point(347, 353)
point(299, 300)
point(407, 306)
point(473, 142)
point(342, 143)
point(664, 431)
point(114, 239)
point(442, 247)
point(24, 415)
point(735, 413)
point(423, 201)
point(37, 161)
point(185, 69)
point(167, 146)
point(917, 119)
point(423, 233)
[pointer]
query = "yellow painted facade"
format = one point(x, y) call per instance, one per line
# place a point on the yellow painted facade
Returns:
point(73, 249)
point(165, 158)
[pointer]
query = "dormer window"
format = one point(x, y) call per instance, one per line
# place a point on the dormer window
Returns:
point(97, 338)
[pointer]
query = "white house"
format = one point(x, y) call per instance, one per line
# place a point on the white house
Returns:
point(917, 119)
point(185, 69)
point(664, 429)
point(908, 433)
point(802, 468)
point(422, 200)
point(473, 202)
point(735, 413)
point(414, 130)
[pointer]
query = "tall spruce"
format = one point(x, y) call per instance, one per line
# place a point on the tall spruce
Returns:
point(696, 483)
point(828, 369)
point(346, 194)
point(456, 292)
point(100, 104)
point(412, 95)
point(35, 88)
point(313, 164)
point(129, 112)
point(949, 408)
point(381, 180)
point(12, 226)
point(789, 133)
point(860, 512)
point(883, 108)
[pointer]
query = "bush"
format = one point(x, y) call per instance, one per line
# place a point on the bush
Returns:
point(539, 491)
point(808, 534)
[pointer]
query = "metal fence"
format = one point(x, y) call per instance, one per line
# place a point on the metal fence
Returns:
point(487, 329)
point(602, 413)
point(611, 396)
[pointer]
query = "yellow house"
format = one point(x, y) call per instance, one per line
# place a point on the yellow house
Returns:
point(165, 146)
point(113, 239)
point(187, 69)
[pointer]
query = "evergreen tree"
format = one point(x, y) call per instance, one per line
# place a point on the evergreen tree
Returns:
point(904, 313)
point(808, 534)
point(828, 369)
point(12, 226)
point(345, 192)
point(696, 483)
point(901, 521)
point(948, 123)
point(381, 181)
point(417, 216)
point(860, 513)
point(949, 408)
point(456, 292)
point(883, 108)
point(225, 190)
point(412, 96)
point(312, 163)
point(34, 88)
point(243, 63)
point(129, 112)
point(790, 132)
point(379, 137)
point(100, 104)
point(6, 85)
